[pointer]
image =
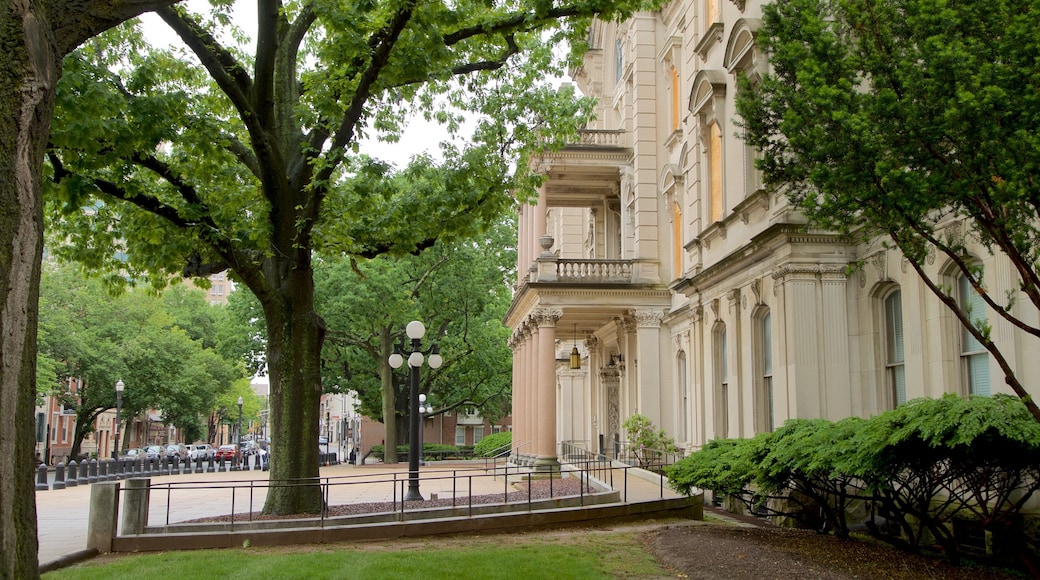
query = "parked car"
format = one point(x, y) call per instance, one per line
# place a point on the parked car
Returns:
point(248, 447)
point(178, 450)
point(155, 452)
point(203, 450)
point(133, 453)
point(226, 452)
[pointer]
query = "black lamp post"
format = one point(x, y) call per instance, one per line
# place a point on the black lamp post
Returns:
point(238, 438)
point(425, 409)
point(415, 331)
point(119, 407)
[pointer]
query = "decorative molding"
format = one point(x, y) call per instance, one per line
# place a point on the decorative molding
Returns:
point(734, 298)
point(756, 289)
point(546, 316)
point(713, 35)
point(715, 307)
point(648, 318)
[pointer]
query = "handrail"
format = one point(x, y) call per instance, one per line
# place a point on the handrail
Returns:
point(601, 470)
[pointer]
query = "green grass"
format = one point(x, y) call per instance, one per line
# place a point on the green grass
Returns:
point(561, 555)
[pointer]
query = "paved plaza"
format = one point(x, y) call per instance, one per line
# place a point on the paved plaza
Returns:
point(62, 514)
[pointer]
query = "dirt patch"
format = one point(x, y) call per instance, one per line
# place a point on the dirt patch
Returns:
point(725, 551)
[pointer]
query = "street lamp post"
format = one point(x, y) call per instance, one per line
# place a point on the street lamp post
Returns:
point(119, 407)
point(238, 438)
point(425, 409)
point(415, 331)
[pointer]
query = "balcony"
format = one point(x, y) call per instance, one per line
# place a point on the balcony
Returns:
point(594, 271)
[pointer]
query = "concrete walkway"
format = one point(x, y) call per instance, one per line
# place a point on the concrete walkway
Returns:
point(62, 514)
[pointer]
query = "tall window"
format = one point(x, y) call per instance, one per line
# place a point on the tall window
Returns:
point(478, 434)
point(676, 99)
point(715, 169)
point(677, 241)
point(721, 384)
point(764, 360)
point(711, 12)
point(974, 357)
point(460, 435)
point(619, 61)
point(895, 373)
point(684, 389)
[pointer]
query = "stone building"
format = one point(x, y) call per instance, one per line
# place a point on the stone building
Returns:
point(691, 294)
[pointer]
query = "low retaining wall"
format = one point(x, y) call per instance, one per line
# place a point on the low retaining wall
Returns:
point(687, 507)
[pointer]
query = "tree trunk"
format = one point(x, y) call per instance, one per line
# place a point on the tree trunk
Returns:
point(34, 37)
point(295, 336)
point(30, 72)
point(386, 376)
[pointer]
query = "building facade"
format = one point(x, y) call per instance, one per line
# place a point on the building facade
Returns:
point(692, 294)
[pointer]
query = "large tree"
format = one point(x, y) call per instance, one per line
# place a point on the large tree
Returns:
point(245, 162)
point(459, 291)
point(35, 36)
point(915, 120)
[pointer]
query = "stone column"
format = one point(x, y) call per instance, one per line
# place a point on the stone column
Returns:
point(648, 364)
point(545, 435)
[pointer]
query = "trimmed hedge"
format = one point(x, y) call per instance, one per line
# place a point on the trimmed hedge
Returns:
point(493, 444)
point(914, 470)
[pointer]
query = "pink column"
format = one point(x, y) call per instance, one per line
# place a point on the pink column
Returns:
point(545, 435)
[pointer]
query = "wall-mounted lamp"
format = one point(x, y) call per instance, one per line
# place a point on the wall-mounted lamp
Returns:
point(575, 355)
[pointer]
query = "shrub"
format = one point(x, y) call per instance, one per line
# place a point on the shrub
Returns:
point(493, 444)
point(645, 439)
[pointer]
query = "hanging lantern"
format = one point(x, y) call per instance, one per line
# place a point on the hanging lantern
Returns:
point(575, 355)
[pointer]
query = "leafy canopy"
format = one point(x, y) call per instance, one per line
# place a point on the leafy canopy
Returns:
point(916, 120)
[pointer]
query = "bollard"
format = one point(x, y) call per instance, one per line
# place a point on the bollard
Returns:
point(139, 466)
point(175, 465)
point(211, 464)
point(164, 465)
point(92, 475)
point(220, 468)
point(59, 476)
point(102, 469)
point(70, 477)
point(41, 477)
point(83, 479)
point(258, 463)
point(199, 460)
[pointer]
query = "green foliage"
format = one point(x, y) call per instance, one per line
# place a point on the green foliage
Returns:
point(645, 440)
point(725, 466)
point(493, 444)
point(168, 360)
point(917, 466)
point(902, 118)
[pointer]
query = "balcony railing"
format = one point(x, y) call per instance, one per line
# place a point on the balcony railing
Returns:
point(600, 137)
point(596, 271)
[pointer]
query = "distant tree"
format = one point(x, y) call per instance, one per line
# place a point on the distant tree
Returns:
point(917, 121)
point(220, 160)
point(102, 339)
point(458, 291)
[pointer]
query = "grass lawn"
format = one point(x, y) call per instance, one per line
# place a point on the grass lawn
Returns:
point(565, 554)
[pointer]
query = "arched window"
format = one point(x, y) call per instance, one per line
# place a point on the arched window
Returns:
point(974, 357)
point(895, 371)
point(764, 412)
